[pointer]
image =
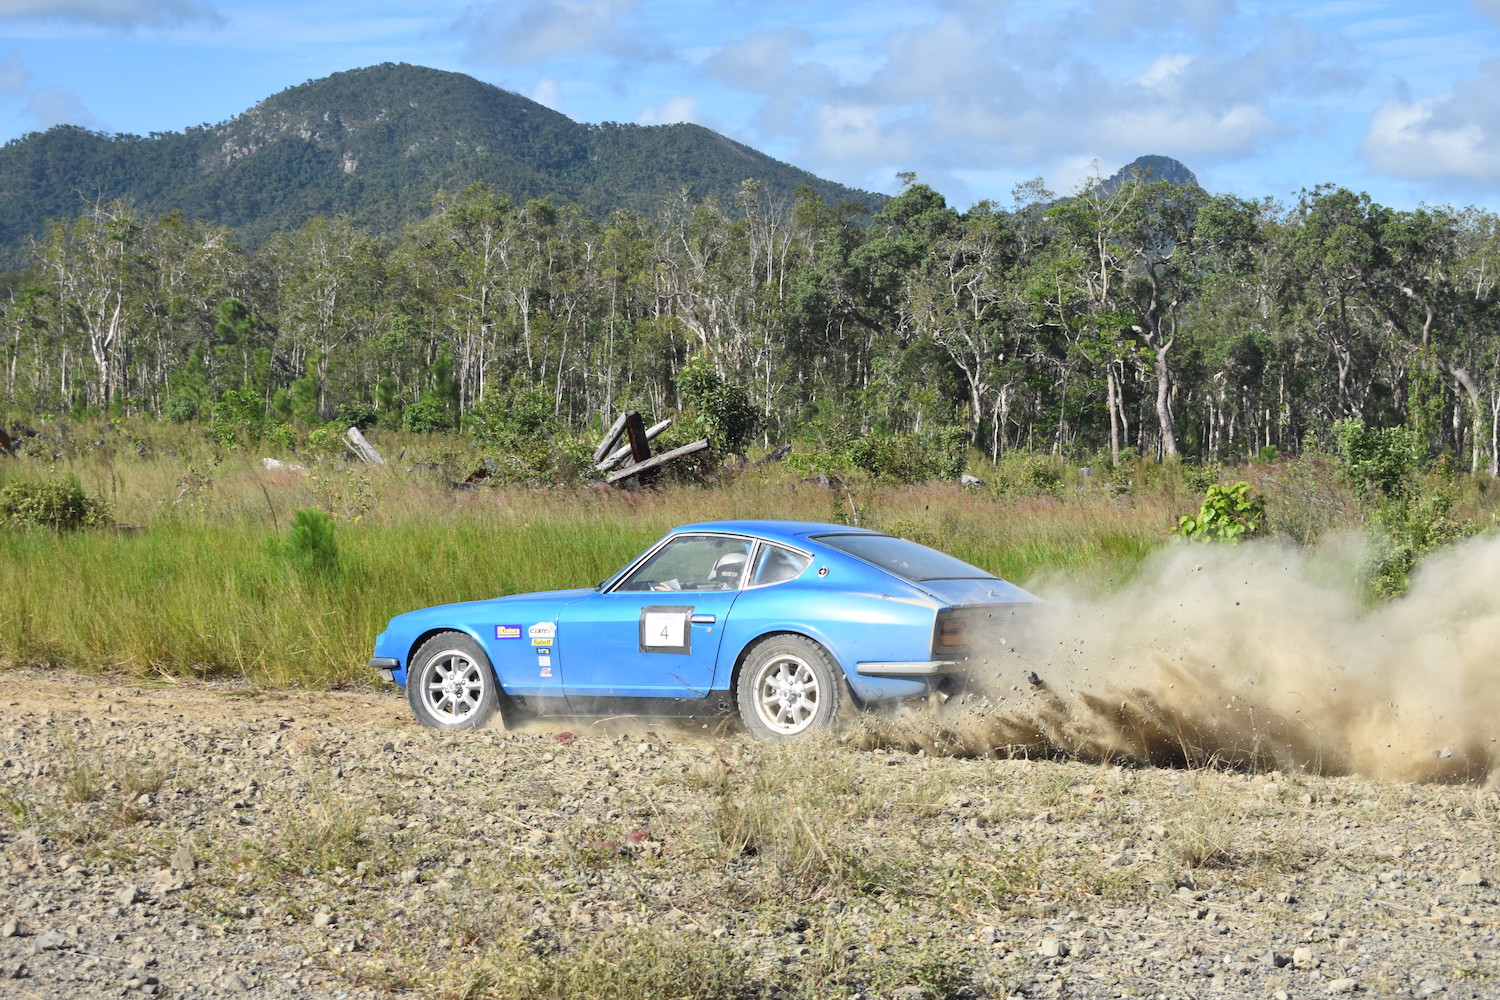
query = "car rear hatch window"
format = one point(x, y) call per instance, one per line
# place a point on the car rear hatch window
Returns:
point(906, 559)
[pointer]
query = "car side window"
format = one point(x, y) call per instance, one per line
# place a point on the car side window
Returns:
point(774, 564)
point(692, 562)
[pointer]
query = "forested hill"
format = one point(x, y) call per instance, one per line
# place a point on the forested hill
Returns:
point(377, 144)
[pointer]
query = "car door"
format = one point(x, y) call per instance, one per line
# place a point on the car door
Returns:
point(656, 632)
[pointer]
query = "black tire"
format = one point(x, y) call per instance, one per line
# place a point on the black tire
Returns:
point(451, 685)
point(789, 687)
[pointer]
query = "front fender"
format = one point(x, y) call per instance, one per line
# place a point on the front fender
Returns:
point(502, 627)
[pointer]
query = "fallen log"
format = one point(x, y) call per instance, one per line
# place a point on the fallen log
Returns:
point(658, 461)
point(611, 436)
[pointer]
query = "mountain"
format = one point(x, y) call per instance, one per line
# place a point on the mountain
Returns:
point(377, 144)
point(1151, 168)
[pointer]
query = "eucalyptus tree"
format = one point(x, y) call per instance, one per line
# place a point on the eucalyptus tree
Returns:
point(194, 268)
point(327, 277)
point(456, 263)
point(35, 380)
point(957, 294)
point(1330, 243)
point(1475, 276)
point(1396, 278)
point(97, 271)
point(833, 323)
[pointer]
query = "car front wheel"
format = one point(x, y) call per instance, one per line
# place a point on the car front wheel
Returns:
point(450, 684)
point(788, 686)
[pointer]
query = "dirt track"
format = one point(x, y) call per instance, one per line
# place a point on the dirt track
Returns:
point(202, 840)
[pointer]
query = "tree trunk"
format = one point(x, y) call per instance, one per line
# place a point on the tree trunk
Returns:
point(1164, 402)
point(1112, 396)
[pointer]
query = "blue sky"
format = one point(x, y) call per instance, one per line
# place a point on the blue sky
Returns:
point(976, 96)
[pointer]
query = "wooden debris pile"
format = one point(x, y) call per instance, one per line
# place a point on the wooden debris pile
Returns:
point(633, 458)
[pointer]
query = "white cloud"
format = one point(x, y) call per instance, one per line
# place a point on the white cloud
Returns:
point(112, 13)
point(1453, 136)
point(1165, 72)
point(975, 85)
point(549, 92)
point(675, 109)
point(538, 30)
point(48, 106)
point(13, 74)
point(759, 62)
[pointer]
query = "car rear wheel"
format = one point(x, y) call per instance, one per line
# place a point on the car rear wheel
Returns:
point(788, 686)
point(450, 684)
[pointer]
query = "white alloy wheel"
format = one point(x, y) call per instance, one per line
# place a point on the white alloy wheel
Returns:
point(450, 685)
point(788, 686)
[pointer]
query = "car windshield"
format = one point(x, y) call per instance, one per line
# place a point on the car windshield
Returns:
point(905, 559)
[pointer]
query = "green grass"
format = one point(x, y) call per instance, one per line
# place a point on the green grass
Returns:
point(204, 580)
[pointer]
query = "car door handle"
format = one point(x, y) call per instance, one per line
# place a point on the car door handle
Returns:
point(704, 619)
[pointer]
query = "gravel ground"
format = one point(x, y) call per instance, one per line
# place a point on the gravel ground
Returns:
point(202, 840)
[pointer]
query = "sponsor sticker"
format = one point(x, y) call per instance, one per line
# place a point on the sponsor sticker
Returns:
point(542, 630)
point(541, 642)
point(544, 661)
point(543, 650)
point(546, 671)
point(507, 631)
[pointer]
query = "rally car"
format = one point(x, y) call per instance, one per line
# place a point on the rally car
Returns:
point(787, 624)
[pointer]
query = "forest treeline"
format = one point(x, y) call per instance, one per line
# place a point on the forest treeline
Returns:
point(1140, 318)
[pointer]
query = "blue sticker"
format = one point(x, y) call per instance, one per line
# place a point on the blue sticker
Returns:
point(507, 631)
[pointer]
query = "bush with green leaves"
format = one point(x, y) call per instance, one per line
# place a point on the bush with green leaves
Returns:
point(721, 410)
point(909, 458)
point(238, 414)
point(889, 458)
point(428, 415)
point(1228, 514)
point(59, 504)
point(355, 413)
point(1409, 506)
point(509, 414)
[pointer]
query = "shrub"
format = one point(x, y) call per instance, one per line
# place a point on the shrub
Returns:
point(59, 504)
point(429, 415)
point(310, 546)
point(355, 413)
point(511, 415)
point(722, 411)
point(1228, 514)
point(179, 409)
point(909, 458)
point(1411, 512)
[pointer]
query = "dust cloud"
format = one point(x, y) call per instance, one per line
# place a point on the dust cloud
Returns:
point(1256, 656)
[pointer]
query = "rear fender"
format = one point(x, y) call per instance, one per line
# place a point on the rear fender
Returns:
point(865, 690)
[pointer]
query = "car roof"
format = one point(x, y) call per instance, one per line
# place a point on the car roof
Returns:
point(776, 531)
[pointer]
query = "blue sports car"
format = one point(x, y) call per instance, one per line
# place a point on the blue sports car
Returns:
point(786, 623)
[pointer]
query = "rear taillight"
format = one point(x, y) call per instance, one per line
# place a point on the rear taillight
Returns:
point(951, 632)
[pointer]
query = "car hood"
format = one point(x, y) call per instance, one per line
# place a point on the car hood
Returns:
point(985, 591)
point(542, 605)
